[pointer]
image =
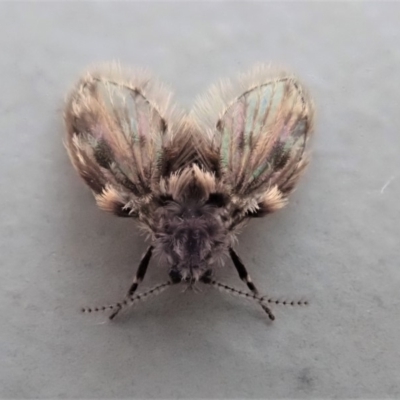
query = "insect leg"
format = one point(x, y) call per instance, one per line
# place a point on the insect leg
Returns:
point(141, 271)
point(139, 297)
point(241, 293)
point(129, 301)
point(242, 271)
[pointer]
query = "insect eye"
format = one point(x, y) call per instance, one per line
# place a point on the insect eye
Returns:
point(207, 276)
point(217, 200)
point(175, 276)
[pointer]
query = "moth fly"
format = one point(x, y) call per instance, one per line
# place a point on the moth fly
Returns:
point(190, 180)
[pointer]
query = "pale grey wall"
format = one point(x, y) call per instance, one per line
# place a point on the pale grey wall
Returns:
point(336, 244)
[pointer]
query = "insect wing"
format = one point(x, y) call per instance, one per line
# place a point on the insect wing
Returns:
point(259, 126)
point(116, 132)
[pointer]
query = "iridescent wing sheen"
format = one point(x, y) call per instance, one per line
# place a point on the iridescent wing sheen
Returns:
point(259, 127)
point(119, 135)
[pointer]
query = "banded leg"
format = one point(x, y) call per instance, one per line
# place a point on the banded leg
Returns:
point(129, 301)
point(241, 293)
point(141, 271)
point(242, 271)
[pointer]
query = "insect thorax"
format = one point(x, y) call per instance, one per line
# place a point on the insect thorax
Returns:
point(191, 226)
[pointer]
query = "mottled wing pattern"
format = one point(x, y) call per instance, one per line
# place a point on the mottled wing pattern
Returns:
point(259, 127)
point(120, 137)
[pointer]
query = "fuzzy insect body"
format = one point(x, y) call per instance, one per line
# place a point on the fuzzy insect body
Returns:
point(191, 181)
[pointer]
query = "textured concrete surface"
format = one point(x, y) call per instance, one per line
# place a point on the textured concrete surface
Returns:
point(337, 244)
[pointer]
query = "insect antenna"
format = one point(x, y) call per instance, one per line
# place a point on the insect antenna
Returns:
point(285, 302)
point(129, 301)
point(241, 293)
point(262, 300)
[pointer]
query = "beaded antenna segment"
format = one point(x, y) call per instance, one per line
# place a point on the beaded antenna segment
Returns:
point(191, 181)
